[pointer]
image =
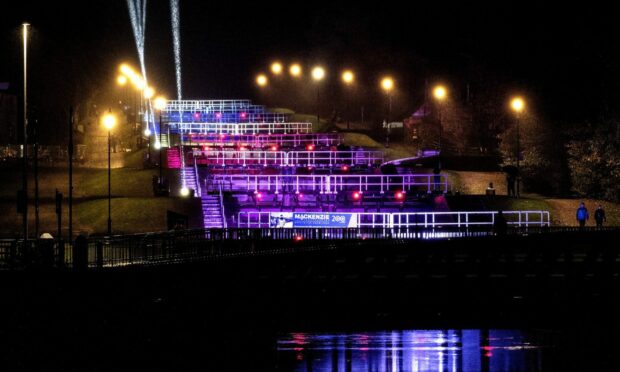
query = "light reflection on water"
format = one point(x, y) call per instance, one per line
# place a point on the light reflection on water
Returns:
point(414, 350)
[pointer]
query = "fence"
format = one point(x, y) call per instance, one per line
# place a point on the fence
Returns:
point(199, 245)
point(328, 184)
point(406, 225)
point(239, 128)
point(261, 140)
point(291, 158)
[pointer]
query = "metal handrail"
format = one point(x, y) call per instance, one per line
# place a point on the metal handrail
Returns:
point(278, 139)
point(222, 210)
point(197, 179)
point(240, 128)
point(334, 183)
point(415, 220)
point(289, 158)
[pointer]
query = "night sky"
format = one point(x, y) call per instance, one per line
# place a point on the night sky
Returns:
point(565, 58)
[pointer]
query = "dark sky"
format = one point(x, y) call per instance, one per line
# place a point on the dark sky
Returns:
point(564, 57)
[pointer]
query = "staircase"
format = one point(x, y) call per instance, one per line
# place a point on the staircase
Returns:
point(189, 179)
point(211, 212)
point(174, 158)
point(165, 143)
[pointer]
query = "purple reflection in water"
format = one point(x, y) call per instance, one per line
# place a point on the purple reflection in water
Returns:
point(415, 350)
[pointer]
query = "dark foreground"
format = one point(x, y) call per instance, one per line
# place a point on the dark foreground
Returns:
point(228, 314)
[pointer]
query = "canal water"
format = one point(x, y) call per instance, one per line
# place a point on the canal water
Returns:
point(414, 350)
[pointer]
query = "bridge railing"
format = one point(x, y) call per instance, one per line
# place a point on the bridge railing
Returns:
point(196, 245)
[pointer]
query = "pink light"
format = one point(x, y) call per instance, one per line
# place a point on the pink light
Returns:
point(399, 195)
point(345, 168)
point(197, 115)
point(298, 238)
point(356, 195)
point(259, 195)
point(301, 196)
point(241, 148)
point(310, 147)
point(243, 115)
point(274, 148)
point(218, 115)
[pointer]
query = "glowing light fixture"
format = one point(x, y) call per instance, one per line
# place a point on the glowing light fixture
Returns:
point(348, 77)
point(318, 73)
point(147, 132)
point(276, 68)
point(149, 92)
point(440, 92)
point(262, 80)
point(160, 103)
point(517, 104)
point(184, 191)
point(295, 70)
point(157, 145)
point(109, 121)
point(387, 84)
point(121, 80)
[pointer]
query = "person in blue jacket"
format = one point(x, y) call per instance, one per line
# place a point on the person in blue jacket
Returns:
point(582, 215)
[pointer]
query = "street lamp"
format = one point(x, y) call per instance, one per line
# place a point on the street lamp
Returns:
point(348, 77)
point(25, 149)
point(160, 104)
point(295, 70)
point(261, 80)
point(276, 68)
point(318, 73)
point(387, 84)
point(109, 121)
point(440, 93)
point(517, 104)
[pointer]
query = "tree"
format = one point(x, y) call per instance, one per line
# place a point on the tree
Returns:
point(594, 162)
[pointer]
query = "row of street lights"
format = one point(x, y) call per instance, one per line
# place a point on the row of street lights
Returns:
point(318, 73)
point(128, 75)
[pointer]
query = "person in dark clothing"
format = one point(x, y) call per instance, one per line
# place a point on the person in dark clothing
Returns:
point(599, 216)
point(500, 226)
point(510, 182)
point(582, 215)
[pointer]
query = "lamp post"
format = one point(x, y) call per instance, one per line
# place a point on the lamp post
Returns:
point(440, 94)
point(318, 73)
point(348, 78)
point(518, 105)
point(25, 149)
point(109, 121)
point(387, 84)
point(160, 105)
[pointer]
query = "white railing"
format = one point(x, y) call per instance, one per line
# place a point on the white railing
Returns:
point(196, 179)
point(219, 105)
point(261, 140)
point(291, 158)
point(329, 184)
point(222, 210)
point(408, 223)
point(240, 128)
